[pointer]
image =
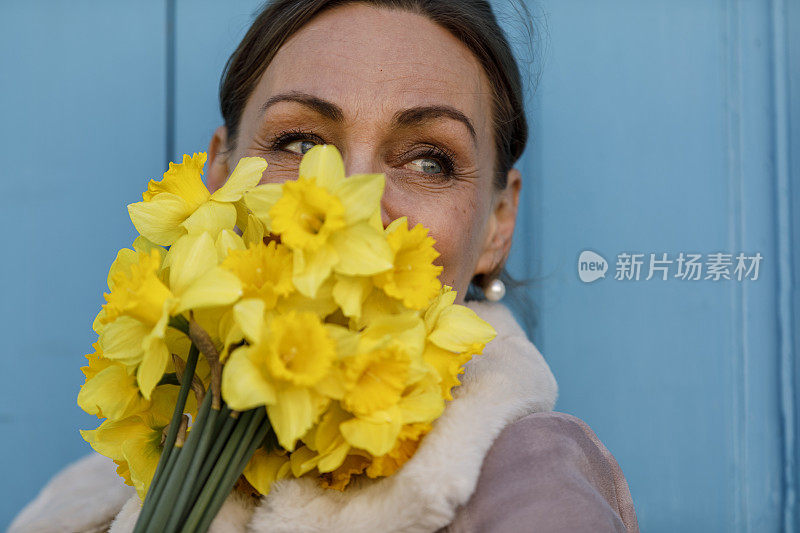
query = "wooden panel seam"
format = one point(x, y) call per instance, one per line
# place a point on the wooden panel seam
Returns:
point(170, 77)
point(780, 118)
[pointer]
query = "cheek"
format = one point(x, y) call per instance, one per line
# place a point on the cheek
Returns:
point(453, 218)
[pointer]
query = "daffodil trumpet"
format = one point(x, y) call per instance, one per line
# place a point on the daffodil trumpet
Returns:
point(329, 346)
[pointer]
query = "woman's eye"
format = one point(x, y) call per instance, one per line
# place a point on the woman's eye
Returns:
point(426, 166)
point(299, 147)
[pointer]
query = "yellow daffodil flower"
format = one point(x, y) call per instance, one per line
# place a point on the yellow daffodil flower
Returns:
point(454, 334)
point(326, 219)
point(134, 442)
point(378, 432)
point(180, 203)
point(110, 390)
point(140, 304)
point(414, 278)
point(378, 379)
point(265, 271)
point(121, 269)
point(291, 354)
point(325, 448)
point(388, 384)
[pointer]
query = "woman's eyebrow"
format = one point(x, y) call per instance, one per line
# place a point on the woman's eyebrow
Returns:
point(325, 108)
point(413, 116)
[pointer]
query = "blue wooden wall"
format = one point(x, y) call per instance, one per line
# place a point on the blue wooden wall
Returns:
point(658, 127)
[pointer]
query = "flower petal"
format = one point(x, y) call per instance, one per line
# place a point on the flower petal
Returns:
point(423, 403)
point(112, 434)
point(361, 195)
point(333, 459)
point(376, 434)
point(349, 292)
point(122, 263)
point(266, 468)
point(227, 241)
point(121, 340)
point(254, 230)
point(362, 250)
point(249, 315)
point(323, 163)
point(261, 199)
point(303, 460)
point(159, 220)
point(152, 367)
point(459, 329)
point(292, 414)
point(189, 258)
point(245, 176)
point(182, 179)
point(144, 245)
point(446, 298)
point(243, 385)
point(212, 217)
point(162, 404)
point(311, 269)
point(216, 287)
point(406, 329)
point(112, 393)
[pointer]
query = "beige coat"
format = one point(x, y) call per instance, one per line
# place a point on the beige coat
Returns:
point(497, 460)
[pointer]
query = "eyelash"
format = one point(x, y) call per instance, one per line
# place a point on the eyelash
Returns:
point(444, 157)
point(288, 136)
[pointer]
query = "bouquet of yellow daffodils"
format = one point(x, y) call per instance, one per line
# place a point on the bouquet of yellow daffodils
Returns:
point(269, 331)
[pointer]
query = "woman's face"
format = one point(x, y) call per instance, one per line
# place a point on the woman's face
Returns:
point(399, 95)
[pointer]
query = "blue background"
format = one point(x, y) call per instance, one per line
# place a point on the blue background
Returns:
point(659, 126)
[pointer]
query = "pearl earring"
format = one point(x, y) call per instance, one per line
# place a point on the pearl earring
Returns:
point(495, 291)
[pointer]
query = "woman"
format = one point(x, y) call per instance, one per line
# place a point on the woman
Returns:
point(427, 92)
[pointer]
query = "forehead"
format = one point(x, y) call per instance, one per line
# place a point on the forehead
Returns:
point(374, 61)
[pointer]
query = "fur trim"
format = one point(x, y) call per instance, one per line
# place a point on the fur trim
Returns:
point(232, 517)
point(85, 496)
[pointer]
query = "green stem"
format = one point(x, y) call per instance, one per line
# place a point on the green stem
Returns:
point(225, 427)
point(223, 416)
point(217, 473)
point(151, 498)
point(169, 379)
point(146, 520)
point(180, 323)
point(246, 450)
point(182, 503)
point(165, 506)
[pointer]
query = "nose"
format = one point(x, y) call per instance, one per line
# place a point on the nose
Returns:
point(361, 159)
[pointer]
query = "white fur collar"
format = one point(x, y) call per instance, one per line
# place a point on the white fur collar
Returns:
point(508, 381)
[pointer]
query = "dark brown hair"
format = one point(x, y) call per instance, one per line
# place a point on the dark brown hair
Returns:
point(471, 21)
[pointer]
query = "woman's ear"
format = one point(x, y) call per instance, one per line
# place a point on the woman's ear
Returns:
point(218, 152)
point(500, 230)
